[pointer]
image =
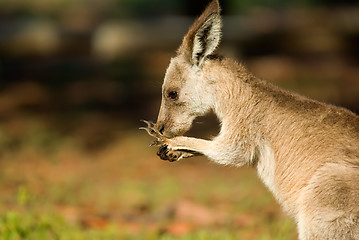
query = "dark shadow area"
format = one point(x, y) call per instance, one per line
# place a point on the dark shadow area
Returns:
point(205, 127)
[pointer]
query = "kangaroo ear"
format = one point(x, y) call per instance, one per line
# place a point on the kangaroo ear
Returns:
point(204, 35)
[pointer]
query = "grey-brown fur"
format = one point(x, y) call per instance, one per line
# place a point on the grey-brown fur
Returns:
point(306, 152)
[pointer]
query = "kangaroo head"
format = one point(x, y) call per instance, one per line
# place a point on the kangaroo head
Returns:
point(186, 90)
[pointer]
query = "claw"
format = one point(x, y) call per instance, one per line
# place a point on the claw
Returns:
point(152, 131)
point(156, 143)
point(162, 150)
point(149, 123)
point(148, 130)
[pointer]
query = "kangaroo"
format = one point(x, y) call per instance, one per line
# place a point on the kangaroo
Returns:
point(306, 152)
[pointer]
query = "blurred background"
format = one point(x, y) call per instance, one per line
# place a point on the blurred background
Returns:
point(76, 77)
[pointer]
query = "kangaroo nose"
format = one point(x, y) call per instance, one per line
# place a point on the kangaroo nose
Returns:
point(161, 128)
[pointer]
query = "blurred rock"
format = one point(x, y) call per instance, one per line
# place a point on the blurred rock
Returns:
point(80, 19)
point(30, 38)
point(122, 38)
point(115, 39)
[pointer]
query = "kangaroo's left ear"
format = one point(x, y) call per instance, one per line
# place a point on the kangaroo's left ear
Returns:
point(203, 36)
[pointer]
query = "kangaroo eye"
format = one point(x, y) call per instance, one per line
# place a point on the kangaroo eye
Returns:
point(173, 95)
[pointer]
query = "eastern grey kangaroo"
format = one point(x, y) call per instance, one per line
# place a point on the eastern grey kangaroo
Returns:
point(305, 151)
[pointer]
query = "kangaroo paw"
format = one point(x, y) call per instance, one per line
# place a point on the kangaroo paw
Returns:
point(152, 131)
point(172, 155)
point(166, 151)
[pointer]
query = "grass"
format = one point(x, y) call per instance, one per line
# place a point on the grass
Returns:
point(52, 188)
point(16, 226)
